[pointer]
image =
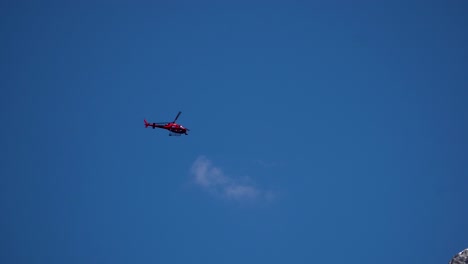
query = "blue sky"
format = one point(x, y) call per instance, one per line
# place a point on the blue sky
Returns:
point(319, 130)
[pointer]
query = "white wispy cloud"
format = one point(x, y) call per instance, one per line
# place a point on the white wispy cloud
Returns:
point(215, 181)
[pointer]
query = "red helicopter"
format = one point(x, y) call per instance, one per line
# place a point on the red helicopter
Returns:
point(174, 128)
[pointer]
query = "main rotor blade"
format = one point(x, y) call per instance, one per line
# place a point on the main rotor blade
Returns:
point(177, 116)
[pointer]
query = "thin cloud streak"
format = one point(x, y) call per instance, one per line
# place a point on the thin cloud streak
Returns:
point(215, 181)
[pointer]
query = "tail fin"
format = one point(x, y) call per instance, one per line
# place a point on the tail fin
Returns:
point(146, 123)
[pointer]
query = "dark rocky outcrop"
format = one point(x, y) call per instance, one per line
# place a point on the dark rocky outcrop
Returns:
point(460, 258)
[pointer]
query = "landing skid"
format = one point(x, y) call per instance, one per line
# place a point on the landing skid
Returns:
point(175, 134)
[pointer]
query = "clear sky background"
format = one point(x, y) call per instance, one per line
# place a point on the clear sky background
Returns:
point(321, 131)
